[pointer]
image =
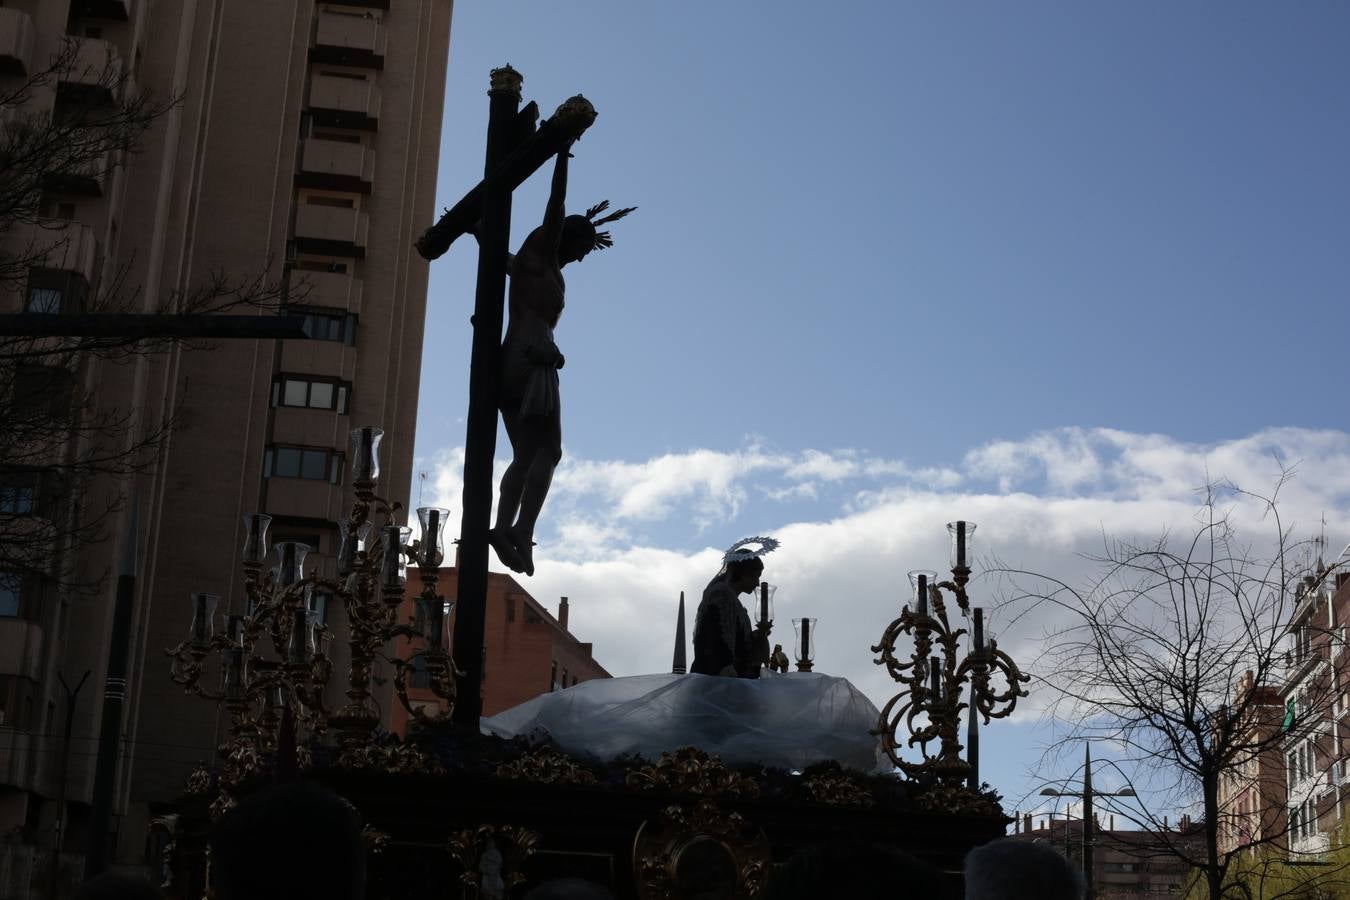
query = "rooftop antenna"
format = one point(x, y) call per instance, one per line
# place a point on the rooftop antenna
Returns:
point(421, 483)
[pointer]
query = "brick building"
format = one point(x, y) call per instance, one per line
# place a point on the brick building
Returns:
point(1126, 864)
point(526, 650)
point(1295, 795)
point(305, 142)
point(1252, 794)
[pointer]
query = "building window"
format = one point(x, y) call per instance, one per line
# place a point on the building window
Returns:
point(310, 392)
point(327, 200)
point(16, 702)
point(553, 677)
point(44, 300)
point(11, 594)
point(309, 463)
point(321, 265)
point(564, 678)
point(421, 678)
point(324, 324)
point(18, 492)
point(318, 602)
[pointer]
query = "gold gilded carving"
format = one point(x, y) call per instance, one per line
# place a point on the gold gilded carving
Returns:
point(699, 850)
point(374, 839)
point(199, 782)
point(957, 800)
point(691, 771)
point(221, 805)
point(491, 852)
point(400, 759)
point(546, 766)
point(838, 790)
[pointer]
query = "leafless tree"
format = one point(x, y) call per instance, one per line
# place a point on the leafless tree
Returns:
point(1196, 662)
point(59, 433)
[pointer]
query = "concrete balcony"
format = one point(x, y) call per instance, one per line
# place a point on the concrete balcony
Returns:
point(344, 102)
point(120, 10)
point(336, 165)
point(95, 74)
point(57, 244)
point(88, 178)
point(349, 39)
point(335, 290)
point(331, 230)
point(16, 42)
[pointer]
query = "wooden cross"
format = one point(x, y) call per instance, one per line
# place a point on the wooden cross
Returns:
point(515, 150)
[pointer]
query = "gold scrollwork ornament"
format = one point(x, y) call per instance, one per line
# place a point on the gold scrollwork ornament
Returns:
point(691, 771)
point(700, 849)
point(545, 766)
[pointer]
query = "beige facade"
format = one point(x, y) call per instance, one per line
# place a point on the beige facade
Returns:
point(305, 143)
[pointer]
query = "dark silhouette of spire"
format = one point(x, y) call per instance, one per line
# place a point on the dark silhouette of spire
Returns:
point(677, 667)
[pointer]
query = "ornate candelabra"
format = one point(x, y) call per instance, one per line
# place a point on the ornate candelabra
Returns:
point(929, 705)
point(274, 656)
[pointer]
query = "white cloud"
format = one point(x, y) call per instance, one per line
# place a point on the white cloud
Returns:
point(622, 539)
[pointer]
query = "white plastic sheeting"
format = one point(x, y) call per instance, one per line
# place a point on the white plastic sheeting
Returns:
point(781, 721)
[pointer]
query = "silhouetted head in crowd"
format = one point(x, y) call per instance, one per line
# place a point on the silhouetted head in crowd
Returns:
point(289, 842)
point(853, 871)
point(1020, 870)
point(569, 889)
point(116, 886)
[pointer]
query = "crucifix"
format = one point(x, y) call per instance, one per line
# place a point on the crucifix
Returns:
point(519, 376)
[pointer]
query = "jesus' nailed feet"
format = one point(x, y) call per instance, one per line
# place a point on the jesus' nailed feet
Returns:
point(514, 553)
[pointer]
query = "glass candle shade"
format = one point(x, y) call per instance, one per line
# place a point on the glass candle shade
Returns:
point(255, 537)
point(203, 626)
point(404, 540)
point(764, 603)
point(391, 562)
point(290, 563)
point(922, 580)
point(234, 630)
point(351, 542)
point(963, 543)
point(806, 639)
point(431, 550)
point(366, 453)
point(234, 674)
point(434, 628)
point(301, 645)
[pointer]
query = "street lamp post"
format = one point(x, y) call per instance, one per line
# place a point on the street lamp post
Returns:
point(1086, 796)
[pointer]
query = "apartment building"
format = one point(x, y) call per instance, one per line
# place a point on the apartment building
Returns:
point(1294, 795)
point(1127, 864)
point(527, 651)
point(1317, 711)
point(303, 145)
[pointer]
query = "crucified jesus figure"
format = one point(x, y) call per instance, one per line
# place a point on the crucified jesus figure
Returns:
point(530, 360)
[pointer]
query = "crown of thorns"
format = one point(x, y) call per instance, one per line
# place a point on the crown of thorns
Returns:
point(741, 550)
point(602, 238)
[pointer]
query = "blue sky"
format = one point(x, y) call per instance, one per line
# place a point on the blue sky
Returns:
point(894, 263)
